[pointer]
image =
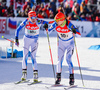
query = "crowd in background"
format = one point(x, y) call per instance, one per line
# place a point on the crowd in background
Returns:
point(87, 10)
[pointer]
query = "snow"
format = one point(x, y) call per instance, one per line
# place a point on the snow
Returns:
point(10, 68)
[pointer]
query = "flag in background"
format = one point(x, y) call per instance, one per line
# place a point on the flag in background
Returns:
point(79, 1)
point(12, 24)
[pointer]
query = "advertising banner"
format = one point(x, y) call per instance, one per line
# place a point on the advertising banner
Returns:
point(86, 28)
point(2, 25)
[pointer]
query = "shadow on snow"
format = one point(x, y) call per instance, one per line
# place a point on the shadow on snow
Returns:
point(11, 71)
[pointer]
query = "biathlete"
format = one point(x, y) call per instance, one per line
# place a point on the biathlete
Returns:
point(32, 27)
point(65, 30)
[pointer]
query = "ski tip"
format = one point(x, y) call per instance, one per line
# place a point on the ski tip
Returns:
point(2, 36)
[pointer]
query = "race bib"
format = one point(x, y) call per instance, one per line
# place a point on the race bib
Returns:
point(32, 32)
point(65, 36)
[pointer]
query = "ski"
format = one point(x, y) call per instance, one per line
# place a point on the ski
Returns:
point(34, 82)
point(22, 81)
point(56, 85)
point(68, 87)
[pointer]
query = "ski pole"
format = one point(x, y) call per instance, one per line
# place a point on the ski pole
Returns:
point(50, 53)
point(78, 60)
point(76, 54)
point(8, 39)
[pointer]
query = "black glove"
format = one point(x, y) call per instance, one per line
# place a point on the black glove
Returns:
point(74, 30)
point(16, 41)
point(45, 26)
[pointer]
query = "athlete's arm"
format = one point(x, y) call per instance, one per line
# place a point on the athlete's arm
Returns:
point(20, 27)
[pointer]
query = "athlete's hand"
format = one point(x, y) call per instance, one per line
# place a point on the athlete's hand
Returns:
point(16, 41)
point(74, 30)
point(45, 26)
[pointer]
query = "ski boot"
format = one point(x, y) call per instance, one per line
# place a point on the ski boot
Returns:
point(24, 74)
point(71, 79)
point(58, 78)
point(35, 72)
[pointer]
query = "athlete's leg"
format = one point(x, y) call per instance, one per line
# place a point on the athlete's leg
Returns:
point(70, 50)
point(61, 51)
point(69, 60)
point(25, 52)
point(25, 56)
point(34, 46)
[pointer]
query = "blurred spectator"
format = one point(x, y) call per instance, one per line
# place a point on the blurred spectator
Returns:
point(19, 4)
point(51, 14)
point(4, 6)
point(26, 13)
point(29, 2)
point(47, 1)
point(66, 3)
point(60, 8)
point(19, 13)
point(37, 7)
point(33, 3)
point(44, 14)
point(97, 19)
point(53, 6)
point(86, 1)
point(82, 6)
point(39, 15)
point(67, 8)
point(96, 15)
point(0, 10)
point(38, 1)
point(88, 17)
point(33, 8)
point(75, 11)
point(71, 3)
point(11, 14)
point(23, 14)
point(60, 1)
point(42, 1)
point(83, 17)
point(11, 11)
point(90, 4)
point(25, 6)
point(5, 13)
point(49, 7)
point(42, 5)
point(45, 9)
point(28, 8)
point(12, 2)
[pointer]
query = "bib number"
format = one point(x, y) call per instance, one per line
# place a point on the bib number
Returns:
point(31, 31)
point(63, 35)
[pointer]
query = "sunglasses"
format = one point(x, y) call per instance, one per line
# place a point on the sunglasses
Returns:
point(33, 17)
point(57, 20)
